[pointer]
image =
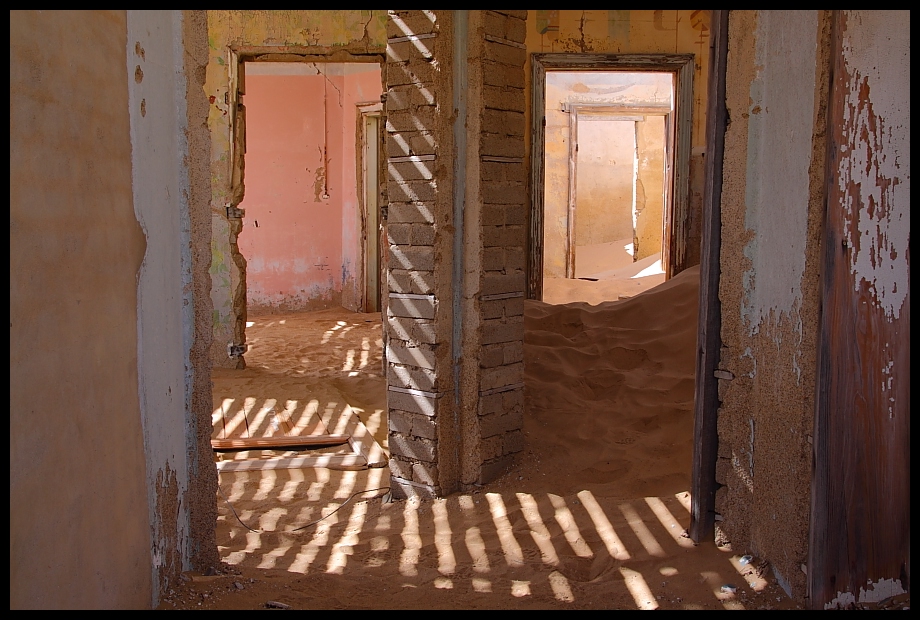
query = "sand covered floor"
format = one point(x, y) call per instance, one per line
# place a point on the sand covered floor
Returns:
point(592, 515)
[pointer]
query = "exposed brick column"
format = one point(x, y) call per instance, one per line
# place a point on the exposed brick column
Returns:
point(499, 39)
point(455, 302)
point(419, 180)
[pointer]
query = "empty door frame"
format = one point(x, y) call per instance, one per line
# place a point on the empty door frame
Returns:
point(703, 484)
point(610, 112)
point(369, 175)
point(676, 211)
point(238, 56)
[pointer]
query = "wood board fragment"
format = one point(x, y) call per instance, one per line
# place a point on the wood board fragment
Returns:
point(360, 438)
point(277, 442)
point(351, 462)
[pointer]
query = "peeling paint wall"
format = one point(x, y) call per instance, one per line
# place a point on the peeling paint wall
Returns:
point(862, 426)
point(164, 326)
point(166, 54)
point(876, 171)
point(277, 32)
point(79, 535)
point(633, 32)
point(772, 213)
point(301, 236)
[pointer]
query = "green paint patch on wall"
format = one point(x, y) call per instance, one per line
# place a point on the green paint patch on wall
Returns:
point(547, 21)
point(618, 26)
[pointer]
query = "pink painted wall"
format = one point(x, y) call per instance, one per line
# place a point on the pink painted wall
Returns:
point(301, 235)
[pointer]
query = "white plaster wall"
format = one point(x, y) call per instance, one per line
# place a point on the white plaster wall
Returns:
point(79, 534)
point(159, 151)
point(778, 158)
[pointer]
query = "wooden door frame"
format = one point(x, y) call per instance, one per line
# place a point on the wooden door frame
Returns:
point(238, 56)
point(616, 112)
point(677, 210)
point(364, 110)
point(703, 483)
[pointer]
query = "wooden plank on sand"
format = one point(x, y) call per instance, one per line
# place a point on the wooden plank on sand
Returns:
point(277, 442)
point(360, 439)
point(352, 462)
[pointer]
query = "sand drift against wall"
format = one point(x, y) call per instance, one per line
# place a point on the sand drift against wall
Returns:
point(609, 394)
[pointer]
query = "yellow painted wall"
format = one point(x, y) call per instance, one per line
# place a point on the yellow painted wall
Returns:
point(604, 181)
point(649, 186)
point(628, 32)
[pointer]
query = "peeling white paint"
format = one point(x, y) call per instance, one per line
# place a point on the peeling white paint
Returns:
point(874, 173)
point(879, 591)
point(780, 127)
point(782, 581)
point(887, 385)
point(742, 471)
point(748, 353)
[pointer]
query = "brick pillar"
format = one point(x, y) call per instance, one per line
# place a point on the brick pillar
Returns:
point(418, 143)
point(495, 214)
point(456, 235)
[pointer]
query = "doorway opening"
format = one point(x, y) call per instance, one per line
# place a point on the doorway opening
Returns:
point(307, 169)
point(368, 175)
point(610, 155)
point(310, 232)
point(608, 141)
point(610, 170)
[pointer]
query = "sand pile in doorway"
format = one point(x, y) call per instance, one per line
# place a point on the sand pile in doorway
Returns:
point(619, 278)
point(609, 395)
